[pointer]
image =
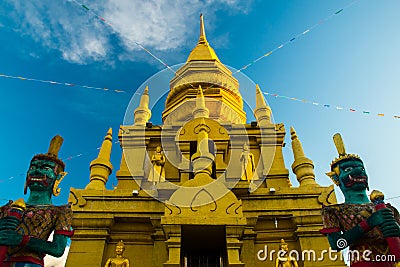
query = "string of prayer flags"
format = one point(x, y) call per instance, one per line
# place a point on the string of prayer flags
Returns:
point(327, 105)
point(112, 27)
point(294, 38)
point(241, 69)
point(87, 9)
point(12, 177)
point(337, 12)
point(83, 154)
point(64, 159)
point(60, 83)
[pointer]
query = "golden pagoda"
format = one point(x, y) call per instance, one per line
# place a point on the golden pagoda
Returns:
point(205, 188)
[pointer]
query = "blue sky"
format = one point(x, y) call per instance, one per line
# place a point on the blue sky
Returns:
point(351, 61)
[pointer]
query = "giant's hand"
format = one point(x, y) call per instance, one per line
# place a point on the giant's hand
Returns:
point(8, 223)
point(10, 238)
point(383, 219)
point(379, 217)
point(54, 248)
point(390, 228)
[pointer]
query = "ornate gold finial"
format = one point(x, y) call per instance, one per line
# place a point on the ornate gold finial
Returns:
point(108, 135)
point(302, 166)
point(262, 112)
point(101, 167)
point(105, 149)
point(202, 38)
point(203, 51)
point(337, 139)
point(283, 242)
point(144, 99)
point(200, 92)
point(142, 113)
point(296, 145)
point(200, 110)
point(258, 89)
point(260, 101)
point(293, 134)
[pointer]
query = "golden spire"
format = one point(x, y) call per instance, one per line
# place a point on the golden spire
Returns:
point(144, 101)
point(200, 109)
point(202, 38)
point(260, 100)
point(302, 166)
point(262, 112)
point(200, 92)
point(142, 113)
point(203, 67)
point(101, 167)
point(297, 147)
point(203, 51)
point(105, 150)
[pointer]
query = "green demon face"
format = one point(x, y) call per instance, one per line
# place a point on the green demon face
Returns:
point(352, 175)
point(41, 175)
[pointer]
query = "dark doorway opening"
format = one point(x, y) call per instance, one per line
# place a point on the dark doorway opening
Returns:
point(203, 246)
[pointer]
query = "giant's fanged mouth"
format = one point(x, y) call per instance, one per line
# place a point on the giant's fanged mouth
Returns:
point(38, 179)
point(355, 179)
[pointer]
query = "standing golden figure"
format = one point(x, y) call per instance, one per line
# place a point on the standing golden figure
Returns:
point(157, 173)
point(248, 165)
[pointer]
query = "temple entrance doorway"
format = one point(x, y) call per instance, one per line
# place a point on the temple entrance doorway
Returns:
point(203, 246)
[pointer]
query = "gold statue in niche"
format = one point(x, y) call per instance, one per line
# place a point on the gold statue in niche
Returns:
point(157, 173)
point(119, 260)
point(284, 259)
point(247, 162)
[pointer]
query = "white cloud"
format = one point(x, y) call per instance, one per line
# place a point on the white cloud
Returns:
point(80, 37)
